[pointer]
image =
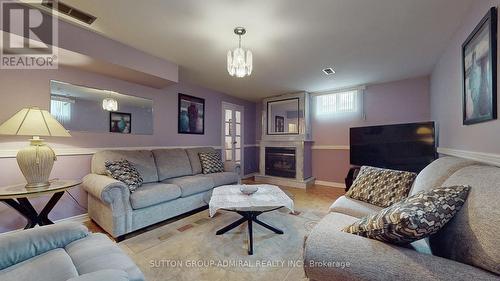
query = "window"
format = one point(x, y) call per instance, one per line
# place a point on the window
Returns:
point(61, 110)
point(338, 102)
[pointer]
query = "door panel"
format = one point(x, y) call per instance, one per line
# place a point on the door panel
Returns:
point(232, 116)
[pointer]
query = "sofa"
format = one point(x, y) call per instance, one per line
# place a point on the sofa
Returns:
point(61, 252)
point(173, 184)
point(467, 248)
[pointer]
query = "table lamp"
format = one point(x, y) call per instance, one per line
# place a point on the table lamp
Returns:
point(35, 161)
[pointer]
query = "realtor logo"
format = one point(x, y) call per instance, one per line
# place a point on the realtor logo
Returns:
point(28, 36)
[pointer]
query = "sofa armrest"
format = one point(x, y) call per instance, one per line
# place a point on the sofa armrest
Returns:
point(107, 189)
point(20, 246)
point(231, 166)
point(330, 254)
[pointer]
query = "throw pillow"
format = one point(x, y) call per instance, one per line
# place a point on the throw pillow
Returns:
point(211, 162)
point(381, 187)
point(414, 218)
point(125, 172)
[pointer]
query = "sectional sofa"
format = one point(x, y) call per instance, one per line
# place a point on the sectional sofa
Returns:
point(173, 185)
point(465, 249)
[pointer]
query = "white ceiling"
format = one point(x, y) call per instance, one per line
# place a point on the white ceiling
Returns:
point(365, 41)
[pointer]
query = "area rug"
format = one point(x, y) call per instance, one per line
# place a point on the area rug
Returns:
point(188, 249)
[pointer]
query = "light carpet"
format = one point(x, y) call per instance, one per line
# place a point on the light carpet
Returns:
point(188, 249)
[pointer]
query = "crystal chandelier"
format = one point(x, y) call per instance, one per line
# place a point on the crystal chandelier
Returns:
point(239, 61)
point(110, 104)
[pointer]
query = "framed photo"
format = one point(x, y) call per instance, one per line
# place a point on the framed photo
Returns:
point(479, 61)
point(279, 124)
point(120, 122)
point(191, 118)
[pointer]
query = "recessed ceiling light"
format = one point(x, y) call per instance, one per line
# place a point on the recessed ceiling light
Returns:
point(329, 71)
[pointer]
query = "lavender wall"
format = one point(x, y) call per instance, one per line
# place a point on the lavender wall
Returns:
point(446, 94)
point(387, 103)
point(23, 88)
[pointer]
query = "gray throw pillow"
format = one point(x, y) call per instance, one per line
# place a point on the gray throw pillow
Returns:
point(211, 162)
point(125, 172)
point(414, 218)
point(381, 187)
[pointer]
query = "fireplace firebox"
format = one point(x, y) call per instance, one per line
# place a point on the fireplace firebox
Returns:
point(281, 162)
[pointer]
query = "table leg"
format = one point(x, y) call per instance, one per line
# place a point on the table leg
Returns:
point(250, 235)
point(231, 226)
point(272, 228)
point(26, 212)
point(43, 216)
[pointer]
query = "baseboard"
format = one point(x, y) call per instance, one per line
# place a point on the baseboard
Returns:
point(78, 219)
point(488, 158)
point(331, 147)
point(249, 175)
point(330, 184)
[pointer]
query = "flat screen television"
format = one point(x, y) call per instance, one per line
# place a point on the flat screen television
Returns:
point(405, 147)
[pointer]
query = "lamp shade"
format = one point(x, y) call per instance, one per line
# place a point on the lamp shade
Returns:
point(33, 121)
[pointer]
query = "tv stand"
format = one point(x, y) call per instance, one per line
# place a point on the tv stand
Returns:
point(351, 176)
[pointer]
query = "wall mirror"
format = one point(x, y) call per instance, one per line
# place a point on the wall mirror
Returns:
point(80, 108)
point(283, 117)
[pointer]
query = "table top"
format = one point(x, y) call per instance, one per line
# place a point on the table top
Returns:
point(20, 190)
point(267, 197)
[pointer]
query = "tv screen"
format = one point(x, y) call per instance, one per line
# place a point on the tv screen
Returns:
point(406, 147)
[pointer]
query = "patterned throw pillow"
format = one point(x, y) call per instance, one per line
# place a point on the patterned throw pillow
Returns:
point(381, 187)
point(414, 218)
point(211, 162)
point(124, 171)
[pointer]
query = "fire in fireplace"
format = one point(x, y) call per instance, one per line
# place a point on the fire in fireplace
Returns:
point(280, 162)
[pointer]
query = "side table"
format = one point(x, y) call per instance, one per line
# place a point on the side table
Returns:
point(16, 196)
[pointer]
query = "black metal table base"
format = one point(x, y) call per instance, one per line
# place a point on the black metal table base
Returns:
point(249, 217)
point(24, 207)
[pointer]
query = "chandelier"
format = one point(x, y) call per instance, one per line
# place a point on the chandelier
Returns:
point(239, 61)
point(110, 104)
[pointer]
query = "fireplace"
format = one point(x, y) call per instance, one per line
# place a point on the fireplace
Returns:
point(281, 162)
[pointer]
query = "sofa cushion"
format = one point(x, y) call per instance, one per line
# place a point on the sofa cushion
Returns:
point(97, 252)
point(436, 173)
point(381, 187)
point(101, 275)
point(194, 158)
point(125, 172)
point(211, 162)
point(142, 160)
point(353, 207)
point(172, 163)
point(472, 236)
point(154, 193)
point(192, 184)
point(54, 265)
point(414, 218)
point(223, 178)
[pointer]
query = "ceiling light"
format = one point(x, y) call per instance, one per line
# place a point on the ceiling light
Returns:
point(329, 71)
point(110, 104)
point(239, 61)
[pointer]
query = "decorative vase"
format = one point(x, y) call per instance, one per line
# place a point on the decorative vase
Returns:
point(36, 162)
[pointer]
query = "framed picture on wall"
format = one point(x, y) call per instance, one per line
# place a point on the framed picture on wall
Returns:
point(191, 115)
point(479, 67)
point(279, 124)
point(120, 122)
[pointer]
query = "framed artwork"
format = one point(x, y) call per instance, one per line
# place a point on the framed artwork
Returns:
point(191, 118)
point(479, 66)
point(279, 124)
point(120, 122)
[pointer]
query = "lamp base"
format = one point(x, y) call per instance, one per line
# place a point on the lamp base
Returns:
point(36, 162)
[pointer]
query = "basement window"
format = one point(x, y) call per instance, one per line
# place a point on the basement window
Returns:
point(348, 101)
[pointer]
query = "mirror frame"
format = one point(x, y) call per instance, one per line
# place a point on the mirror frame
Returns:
point(298, 117)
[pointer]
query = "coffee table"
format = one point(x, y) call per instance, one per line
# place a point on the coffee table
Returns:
point(267, 198)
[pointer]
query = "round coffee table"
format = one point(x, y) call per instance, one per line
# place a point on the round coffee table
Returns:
point(16, 196)
point(267, 198)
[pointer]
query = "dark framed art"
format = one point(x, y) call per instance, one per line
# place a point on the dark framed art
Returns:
point(479, 70)
point(120, 122)
point(279, 124)
point(191, 115)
